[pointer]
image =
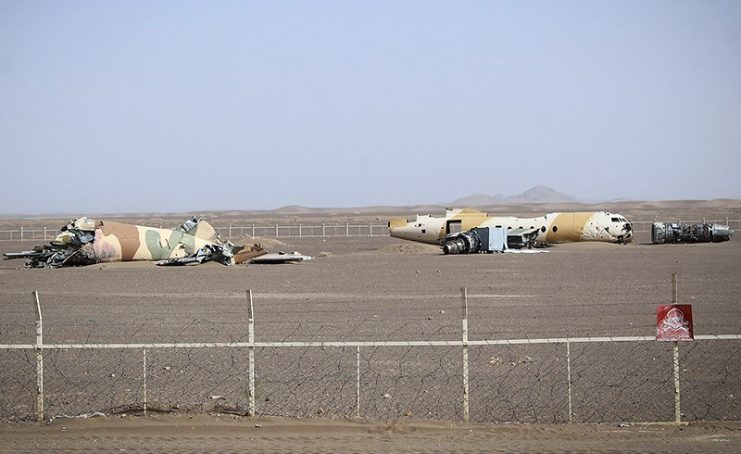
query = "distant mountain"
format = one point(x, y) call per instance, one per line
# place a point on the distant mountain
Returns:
point(292, 209)
point(542, 194)
point(478, 200)
point(537, 194)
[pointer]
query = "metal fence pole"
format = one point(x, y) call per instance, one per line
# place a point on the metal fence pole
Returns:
point(568, 378)
point(465, 354)
point(675, 354)
point(144, 376)
point(251, 366)
point(21, 233)
point(677, 404)
point(357, 384)
point(230, 231)
point(39, 361)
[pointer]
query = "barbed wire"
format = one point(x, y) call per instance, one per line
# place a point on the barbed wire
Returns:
point(549, 382)
point(624, 381)
point(18, 384)
point(711, 384)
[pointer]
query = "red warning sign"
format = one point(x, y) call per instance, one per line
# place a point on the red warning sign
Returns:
point(674, 323)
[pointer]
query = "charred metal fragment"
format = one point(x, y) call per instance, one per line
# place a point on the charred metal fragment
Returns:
point(689, 233)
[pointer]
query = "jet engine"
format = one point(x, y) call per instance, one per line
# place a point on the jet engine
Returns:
point(689, 233)
point(462, 243)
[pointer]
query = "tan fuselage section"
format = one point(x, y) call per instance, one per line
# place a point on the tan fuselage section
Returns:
point(553, 227)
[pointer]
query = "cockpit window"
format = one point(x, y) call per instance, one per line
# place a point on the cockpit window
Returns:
point(615, 220)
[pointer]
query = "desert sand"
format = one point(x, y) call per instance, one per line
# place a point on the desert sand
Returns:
point(381, 289)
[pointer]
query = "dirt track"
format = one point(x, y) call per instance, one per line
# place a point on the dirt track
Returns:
point(192, 434)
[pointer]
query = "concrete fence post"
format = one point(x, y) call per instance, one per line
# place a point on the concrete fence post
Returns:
point(39, 360)
point(21, 233)
point(230, 231)
point(276, 230)
point(251, 349)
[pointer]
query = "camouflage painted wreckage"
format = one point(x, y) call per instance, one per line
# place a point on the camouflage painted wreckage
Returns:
point(86, 241)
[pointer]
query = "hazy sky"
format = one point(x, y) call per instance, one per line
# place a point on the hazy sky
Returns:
point(178, 106)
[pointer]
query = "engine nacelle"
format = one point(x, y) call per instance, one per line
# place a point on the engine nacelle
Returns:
point(462, 243)
point(689, 233)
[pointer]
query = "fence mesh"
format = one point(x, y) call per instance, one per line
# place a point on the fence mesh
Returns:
point(18, 382)
point(610, 381)
point(305, 382)
point(522, 383)
point(622, 381)
point(711, 380)
point(419, 382)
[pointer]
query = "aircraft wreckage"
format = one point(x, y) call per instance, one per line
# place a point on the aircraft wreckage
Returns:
point(467, 231)
point(689, 233)
point(85, 241)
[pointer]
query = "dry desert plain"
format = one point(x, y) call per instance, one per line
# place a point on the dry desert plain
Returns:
point(383, 289)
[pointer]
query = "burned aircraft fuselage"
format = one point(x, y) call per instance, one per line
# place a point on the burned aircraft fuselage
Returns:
point(85, 241)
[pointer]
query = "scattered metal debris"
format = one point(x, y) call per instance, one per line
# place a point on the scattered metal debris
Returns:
point(94, 414)
point(281, 257)
point(689, 233)
point(86, 241)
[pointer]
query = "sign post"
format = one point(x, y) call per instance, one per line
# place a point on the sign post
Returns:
point(674, 323)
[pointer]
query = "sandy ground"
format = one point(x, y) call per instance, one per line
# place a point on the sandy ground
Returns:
point(380, 288)
point(193, 434)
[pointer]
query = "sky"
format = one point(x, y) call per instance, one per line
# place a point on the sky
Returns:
point(178, 106)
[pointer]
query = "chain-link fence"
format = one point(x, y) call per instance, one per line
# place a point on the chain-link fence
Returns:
point(234, 231)
point(314, 230)
point(516, 380)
